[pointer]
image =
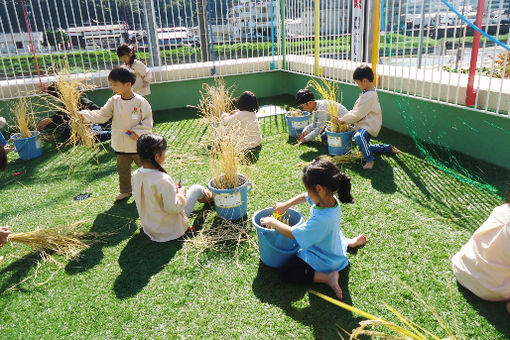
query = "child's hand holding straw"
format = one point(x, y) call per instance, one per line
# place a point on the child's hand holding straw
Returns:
point(4, 235)
point(281, 208)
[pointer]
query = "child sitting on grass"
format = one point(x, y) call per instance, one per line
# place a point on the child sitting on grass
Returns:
point(483, 263)
point(163, 208)
point(245, 120)
point(132, 117)
point(143, 73)
point(366, 115)
point(322, 243)
point(321, 114)
point(3, 142)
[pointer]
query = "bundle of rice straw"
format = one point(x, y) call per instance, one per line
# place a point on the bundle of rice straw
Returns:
point(227, 156)
point(64, 241)
point(296, 113)
point(215, 100)
point(354, 156)
point(25, 120)
point(327, 90)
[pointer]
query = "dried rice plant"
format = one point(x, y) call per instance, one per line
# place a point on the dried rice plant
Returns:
point(215, 100)
point(226, 158)
point(64, 241)
point(25, 119)
point(327, 90)
point(353, 156)
point(407, 330)
point(295, 112)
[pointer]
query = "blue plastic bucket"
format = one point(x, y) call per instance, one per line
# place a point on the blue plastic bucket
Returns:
point(296, 125)
point(276, 249)
point(339, 143)
point(28, 148)
point(231, 204)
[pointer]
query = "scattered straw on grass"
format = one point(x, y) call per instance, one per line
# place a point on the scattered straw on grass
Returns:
point(353, 156)
point(327, 90)
point(64, 241)
point(25, 120)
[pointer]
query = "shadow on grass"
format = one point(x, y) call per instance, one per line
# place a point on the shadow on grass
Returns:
point(494, 312)
point(322, 316)
point(17, 271)
point(140, 260)
point(119, 221)
point(381, 176)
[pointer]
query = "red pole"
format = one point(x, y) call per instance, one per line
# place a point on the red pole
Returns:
point(470, 93)
point(32, 45)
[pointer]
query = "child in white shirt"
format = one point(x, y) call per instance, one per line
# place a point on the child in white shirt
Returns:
point(131, 116)
point(143, 73)
point(163, 207)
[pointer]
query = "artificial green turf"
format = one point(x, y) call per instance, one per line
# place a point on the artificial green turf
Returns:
point(415, 216)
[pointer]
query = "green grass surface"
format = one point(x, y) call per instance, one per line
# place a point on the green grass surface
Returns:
point(415, 216)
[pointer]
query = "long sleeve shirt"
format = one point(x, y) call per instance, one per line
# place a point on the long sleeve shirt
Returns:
point(143, 78)
point(247, 124)
point(321, 117)
point(366, 113)
point(133, 114)
point(160, 208)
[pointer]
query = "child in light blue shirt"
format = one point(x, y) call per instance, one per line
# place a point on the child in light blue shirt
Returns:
point(322, 243)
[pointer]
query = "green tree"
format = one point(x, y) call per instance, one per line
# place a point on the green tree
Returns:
point(54, 38)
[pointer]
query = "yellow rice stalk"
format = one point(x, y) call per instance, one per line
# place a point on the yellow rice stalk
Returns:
point(61, 240)
point(227, 156)
point(70, 91)
point(354, 156)
point(327, 90)
point(25, 120)
point(215, 100)
point(295, 113)
point(409, 330)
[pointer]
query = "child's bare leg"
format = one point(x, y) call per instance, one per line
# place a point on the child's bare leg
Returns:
point(331, 279)
point(357, 241)
point(368, 165)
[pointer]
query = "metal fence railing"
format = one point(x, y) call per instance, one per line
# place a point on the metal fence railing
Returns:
point(422, 48)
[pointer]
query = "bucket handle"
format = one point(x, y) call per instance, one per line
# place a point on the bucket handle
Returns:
point(287, 252)
point(22, 146)
point(249, 186)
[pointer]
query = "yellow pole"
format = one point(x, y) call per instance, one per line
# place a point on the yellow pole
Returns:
point(375, 42)
point(317, 71)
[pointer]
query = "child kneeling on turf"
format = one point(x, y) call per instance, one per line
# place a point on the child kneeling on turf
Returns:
point(163, 207)
point(366, 115)
point(132, 117)
point(323, 245)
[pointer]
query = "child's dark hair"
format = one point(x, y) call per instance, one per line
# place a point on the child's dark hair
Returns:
point(323, 172)
point(248, 102)
point(3, 158)
point(148, 146)
point(52, 90)
point(363, 72)
point(304, 96)
point(123, 75)
point(125, 49)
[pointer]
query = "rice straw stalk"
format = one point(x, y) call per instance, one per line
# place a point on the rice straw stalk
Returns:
point(25, 120)
point(327, 90)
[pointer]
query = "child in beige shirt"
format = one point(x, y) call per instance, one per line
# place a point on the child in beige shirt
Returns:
point(366, 115)
point(131, 116)
point(143, 73)
point(245, 120)
point(483, 263)
point(163, 207)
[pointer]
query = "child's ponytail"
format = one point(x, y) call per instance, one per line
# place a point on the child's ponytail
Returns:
point(148, 146)
point(321, 171)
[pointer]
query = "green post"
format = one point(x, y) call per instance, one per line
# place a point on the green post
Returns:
point(282, 19)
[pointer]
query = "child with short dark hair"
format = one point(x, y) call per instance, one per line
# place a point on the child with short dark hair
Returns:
point(143, 74)
point(3, 141)
point(131, 116)
point(321, 114)
point(323, 245)
point(163, 207)
point(245, 119)
point(366, 115)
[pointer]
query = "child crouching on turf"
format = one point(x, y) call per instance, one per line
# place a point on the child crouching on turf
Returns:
point(163, 207)
point(366, 115)
point(132, 117)
point(321, 114)
point(245, 120)
point(322, 243)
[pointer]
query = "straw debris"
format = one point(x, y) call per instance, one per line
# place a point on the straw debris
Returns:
point(25, 119)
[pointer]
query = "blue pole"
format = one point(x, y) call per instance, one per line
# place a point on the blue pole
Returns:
point(272, 34)
point(213, 71)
